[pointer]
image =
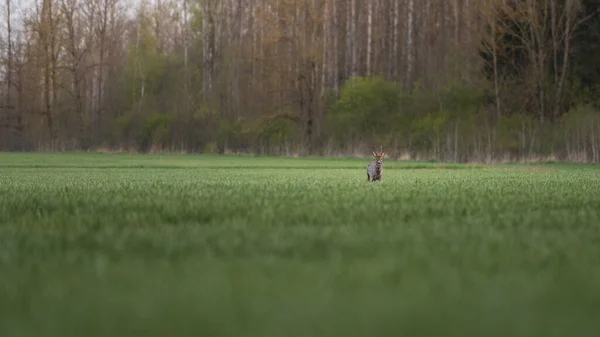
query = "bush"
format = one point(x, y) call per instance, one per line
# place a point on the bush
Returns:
point(366, 106)
point(460, 100)
point(122, 128)
point(155, 131)
point(280, 129)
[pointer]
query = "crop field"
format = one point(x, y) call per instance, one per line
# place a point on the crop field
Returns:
point(189, 245)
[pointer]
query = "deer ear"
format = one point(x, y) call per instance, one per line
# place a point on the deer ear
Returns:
point(382, 154)
point(374, 154)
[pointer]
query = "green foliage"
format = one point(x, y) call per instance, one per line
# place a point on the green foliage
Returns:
point(461, 100)
point(144, 65)
point(155, 131)
point(231, 246)
point(211, 148)
point(510, 132)
point(122, 128)
point(279, 130)
point(589, 95)
point(580, 125)
point(578, 117)
point(428, 129)
point(431, 124)
point(366, 105)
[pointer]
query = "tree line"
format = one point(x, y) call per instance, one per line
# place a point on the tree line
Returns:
point(458, 80)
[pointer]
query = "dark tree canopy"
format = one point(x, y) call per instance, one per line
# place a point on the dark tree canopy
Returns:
point(586, 46)
point(513, 59)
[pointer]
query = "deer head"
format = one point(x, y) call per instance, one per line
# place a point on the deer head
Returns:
point(378, 156)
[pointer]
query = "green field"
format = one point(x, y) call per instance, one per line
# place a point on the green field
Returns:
point(175, 245)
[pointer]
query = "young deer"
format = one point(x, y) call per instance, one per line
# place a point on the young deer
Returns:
point(375, 168)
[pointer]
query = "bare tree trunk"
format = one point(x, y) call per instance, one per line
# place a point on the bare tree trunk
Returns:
point(11, 119)
point(456, 64)
point(456, 140)
point(217, 37)
point(54, 65)
point(353, 37)
point(593, 143)
point(47, 99)
point(369, 35)
point(554, 34)
point(428, 22)
point(536, 56)
point(207, 47)
point(467, 21)
point(9, 56)
point(46, 33)
point(252, 27)
point(185, 59)
point(334, 55)
point(349, 37)
point(394, 58)
point(68, 12)
point(457, 22)
point(296, 39)
point(102, 40)
point(240, 34)
point(570, 26)
point(325, 60)
point(409, 44)
point(261, 53)
point(495, 66)
point(140, 69)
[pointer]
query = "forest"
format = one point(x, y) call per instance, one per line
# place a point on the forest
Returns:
point(444, 80)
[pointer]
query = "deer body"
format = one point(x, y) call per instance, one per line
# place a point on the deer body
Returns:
point(375, 168)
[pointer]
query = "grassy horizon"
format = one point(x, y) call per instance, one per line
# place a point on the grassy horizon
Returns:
point(186, 245)
point(188, 160)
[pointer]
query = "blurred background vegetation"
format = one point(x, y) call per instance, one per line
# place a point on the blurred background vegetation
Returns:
point(459, 80)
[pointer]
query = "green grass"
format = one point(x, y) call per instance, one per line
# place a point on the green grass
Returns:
point(174, 245)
